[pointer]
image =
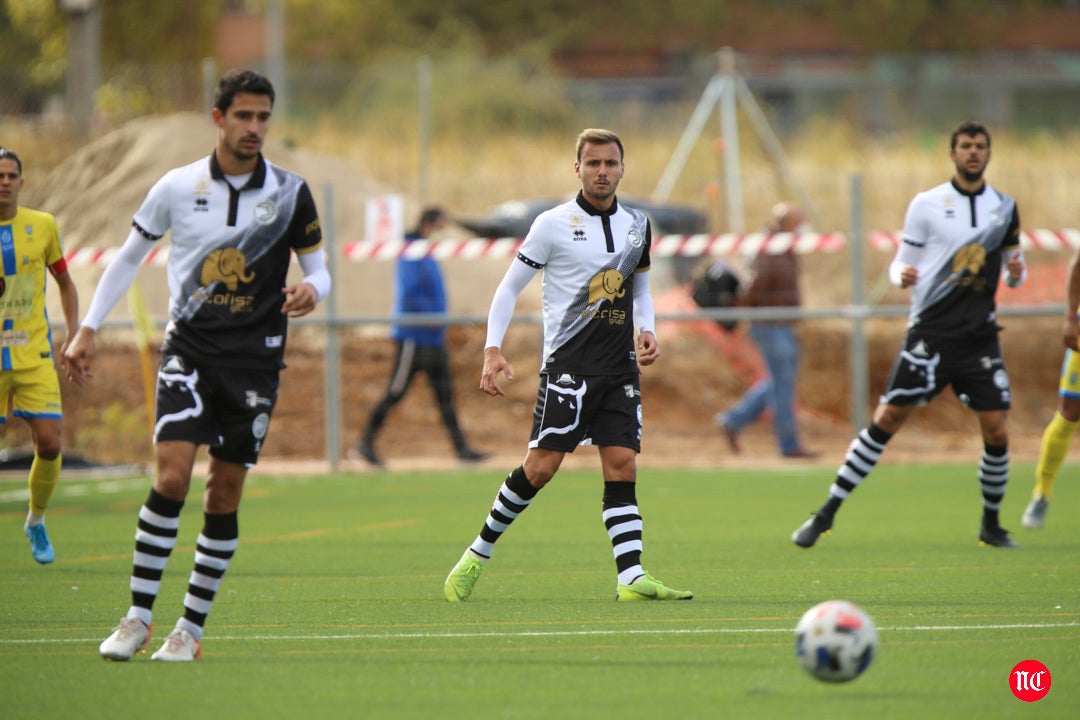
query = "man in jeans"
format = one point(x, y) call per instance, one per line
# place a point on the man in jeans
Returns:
point(774, 283)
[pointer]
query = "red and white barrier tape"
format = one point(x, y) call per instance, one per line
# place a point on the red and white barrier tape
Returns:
point(1064, 239)
point(663, 246)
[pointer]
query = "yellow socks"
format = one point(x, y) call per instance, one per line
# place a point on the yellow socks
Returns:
point(43, 477)
point(1055, 444)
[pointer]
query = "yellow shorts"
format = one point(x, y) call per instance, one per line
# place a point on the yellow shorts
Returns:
point(1069, 385)
point(36, 393)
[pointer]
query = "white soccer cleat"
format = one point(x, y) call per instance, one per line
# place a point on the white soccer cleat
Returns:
point(180, 646)
point(1035, 513)
point(128, 638)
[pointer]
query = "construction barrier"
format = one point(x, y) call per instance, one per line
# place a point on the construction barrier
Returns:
point(747, 244)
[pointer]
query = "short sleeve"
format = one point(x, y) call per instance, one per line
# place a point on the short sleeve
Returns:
point(306, 232)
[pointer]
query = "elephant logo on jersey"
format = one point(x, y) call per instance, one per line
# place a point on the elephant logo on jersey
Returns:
point(606, 285)
point(971, 258)
point(228, 266)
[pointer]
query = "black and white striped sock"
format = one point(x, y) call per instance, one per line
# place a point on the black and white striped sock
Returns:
point(213, 552)
point(862, 456)
point(155, 538)
point(513, 497)
point(624, 528)
point(993, 477)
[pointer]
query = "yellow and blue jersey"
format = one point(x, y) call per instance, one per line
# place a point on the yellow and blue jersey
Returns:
point(29, 245)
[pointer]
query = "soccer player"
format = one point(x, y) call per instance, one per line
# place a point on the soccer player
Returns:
point(957, 238)
point(595, 256)
point(30, 246)
point(419, 288)
point(235, 219)
point(1062, 427)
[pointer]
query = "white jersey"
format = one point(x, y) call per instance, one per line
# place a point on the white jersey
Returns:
point(229, 257)
point(589, 259)
point(960, 238)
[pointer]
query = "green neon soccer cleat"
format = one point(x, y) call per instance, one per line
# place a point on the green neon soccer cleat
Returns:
point(647, 587)
point(459, 583)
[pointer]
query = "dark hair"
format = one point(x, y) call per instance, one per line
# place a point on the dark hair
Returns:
point(238, 81)
point(5, 153)
point(969, 127)
point(429, 216)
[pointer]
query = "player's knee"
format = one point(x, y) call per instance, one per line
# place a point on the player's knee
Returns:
point(48, 450)
point(172, 484)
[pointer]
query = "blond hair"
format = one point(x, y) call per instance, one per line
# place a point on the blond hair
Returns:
point(597, 136)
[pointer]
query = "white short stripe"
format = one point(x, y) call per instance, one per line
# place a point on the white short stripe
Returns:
point(497, 526)
point(627, 526)
point(167, 523)
point(838, 492)
point(155, 540)
point(197, 604)
point(149, 587)
point(620, 511)
point(512, 497)
point(212, 562)
point(153, 562)
point(219, 545)
point(204, 581)
point(503, 510)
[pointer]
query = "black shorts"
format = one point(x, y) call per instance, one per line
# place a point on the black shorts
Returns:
point(226, 408)
point(974, 368)
point(572, 410)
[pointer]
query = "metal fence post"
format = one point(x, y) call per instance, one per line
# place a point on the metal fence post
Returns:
point(332, 399)
point(859, 354)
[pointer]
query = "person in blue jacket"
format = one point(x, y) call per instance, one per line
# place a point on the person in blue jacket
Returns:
point(419, 288)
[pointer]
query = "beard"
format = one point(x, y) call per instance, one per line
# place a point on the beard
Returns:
point(242, 153)
point(971, 176)
point(602, 193)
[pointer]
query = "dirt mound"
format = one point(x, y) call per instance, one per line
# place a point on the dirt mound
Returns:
point(692, 381)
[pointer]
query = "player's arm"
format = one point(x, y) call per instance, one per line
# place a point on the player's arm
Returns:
point(302, 297)
point(1015, 267)
point(305, 237)
point(517, 277)
point(114, 283)
point(904, 269)
point(69, 305)
point(648, 349)
point(1072, 303)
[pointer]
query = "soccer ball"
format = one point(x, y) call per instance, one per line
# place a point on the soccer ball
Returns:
point(835, 641)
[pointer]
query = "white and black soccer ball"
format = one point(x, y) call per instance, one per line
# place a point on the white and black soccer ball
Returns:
point(835, 641)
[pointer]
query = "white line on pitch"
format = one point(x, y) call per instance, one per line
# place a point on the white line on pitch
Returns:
point(571, 633)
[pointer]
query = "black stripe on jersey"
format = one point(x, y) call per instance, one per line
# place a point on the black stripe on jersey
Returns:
point(143, 231)
point(971, 198)
point(606, 221)
point(234, 203)
point(257, 179)
point(530, 263)
point(605, 217)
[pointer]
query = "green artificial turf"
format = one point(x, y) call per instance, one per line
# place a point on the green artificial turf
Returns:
point(333, 606)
